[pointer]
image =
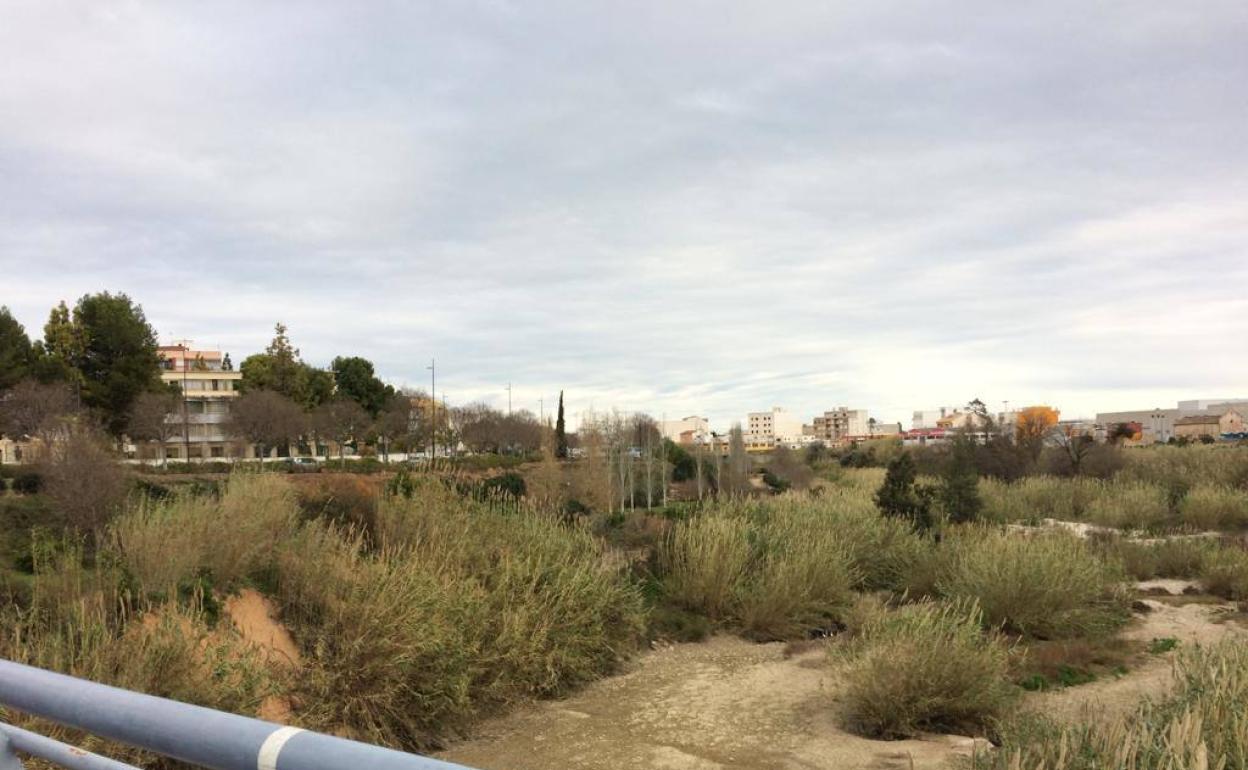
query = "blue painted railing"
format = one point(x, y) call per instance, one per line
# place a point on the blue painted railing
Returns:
point(191, 734)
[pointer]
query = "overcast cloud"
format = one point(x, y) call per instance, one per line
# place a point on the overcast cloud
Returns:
point(694, 207)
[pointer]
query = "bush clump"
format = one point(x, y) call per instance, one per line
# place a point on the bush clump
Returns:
point(458, 611)
point(1225, 573)
point(1046, 586)
point(1209, 506)
point(926, 666)
point(1131, 505)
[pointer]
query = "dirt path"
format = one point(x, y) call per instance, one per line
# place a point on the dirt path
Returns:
point(1195, 623)
point(726, 703)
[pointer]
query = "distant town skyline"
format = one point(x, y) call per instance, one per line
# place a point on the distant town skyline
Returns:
point(676, 208)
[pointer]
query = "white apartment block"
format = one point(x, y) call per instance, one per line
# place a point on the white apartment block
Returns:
point(927, 419)
point(764, 430)
point(687, 430)
point(207, 389)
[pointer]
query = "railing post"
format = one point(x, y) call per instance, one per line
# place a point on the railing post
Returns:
point(8, 758)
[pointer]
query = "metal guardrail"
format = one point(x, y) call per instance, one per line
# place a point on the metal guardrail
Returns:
point(191, 734)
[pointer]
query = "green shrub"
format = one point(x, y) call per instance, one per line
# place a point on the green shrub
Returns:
point(1207, 506)
point(28, 483)
point(1047, 586)
point(925, 667)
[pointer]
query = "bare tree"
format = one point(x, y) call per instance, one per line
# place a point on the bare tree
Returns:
point(42, 412)
point(84, 480)
point(394, 421)
point(738, 477)
point(266, 419)
point(342, 420)
point(154, 417)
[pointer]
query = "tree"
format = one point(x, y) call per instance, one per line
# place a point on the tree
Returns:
point(57, 355)
point(959, 484)
point(342, 420)
point(900, 497)
point(84, 480)
point(118, 358)
point(150, 420)
point(16, 353)
point(736, 480)
point(280, 369)
point(266, 419)
point(41, 411)
point(355, 379)
point(394, 421)
point(561, 434)
point(787, 467)
point(1032, 426)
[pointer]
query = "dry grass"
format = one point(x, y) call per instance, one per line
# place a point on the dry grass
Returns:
point(785, 566)
point(926, 666)
point(1214, 507)
point(1047, 586)
point(1201, 727)
point(461, 611)
point(227, 539)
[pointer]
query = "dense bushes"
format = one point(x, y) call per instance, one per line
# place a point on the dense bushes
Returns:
point(1225, 573)
point(1210, 506)
point(227, 540)
point(783, 566)
point(926, 666)
point(1048, 585)
point(460, 611)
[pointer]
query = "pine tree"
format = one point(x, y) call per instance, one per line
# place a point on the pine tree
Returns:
point(899, 496)
point(561, 435)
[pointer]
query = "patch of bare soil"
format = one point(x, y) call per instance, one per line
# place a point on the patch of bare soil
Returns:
point(254, 616)
point(1191, 624)
point(725, 703)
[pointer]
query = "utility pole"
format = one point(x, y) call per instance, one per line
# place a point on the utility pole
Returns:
point(186, 426)
point(433, 407)
point(509, 399)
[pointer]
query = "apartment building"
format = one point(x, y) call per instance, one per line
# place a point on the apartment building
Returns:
point(687, 430)
point(841, 424)
point(929, 419)
point(207, 387)
point(765, 430)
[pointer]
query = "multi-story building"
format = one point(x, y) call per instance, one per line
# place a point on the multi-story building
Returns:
point(841, 424)
point(687, 430)
point(765, 430)
point(207, 388)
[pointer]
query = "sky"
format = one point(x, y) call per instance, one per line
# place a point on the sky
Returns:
point(681, 208)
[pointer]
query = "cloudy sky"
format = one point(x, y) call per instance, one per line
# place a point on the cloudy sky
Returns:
point(689, 207)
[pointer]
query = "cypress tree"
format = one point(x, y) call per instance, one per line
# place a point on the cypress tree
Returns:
point(561, 435)
point(959, 484)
